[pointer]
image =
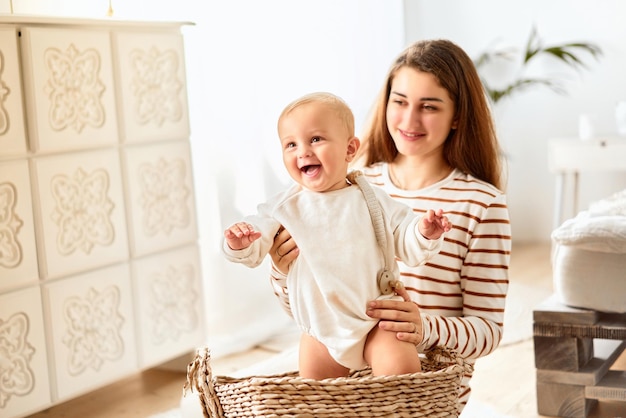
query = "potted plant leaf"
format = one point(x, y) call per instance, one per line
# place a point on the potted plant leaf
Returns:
point(570, 54)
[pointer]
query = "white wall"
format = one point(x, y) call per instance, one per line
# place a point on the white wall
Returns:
point(529, 119)
point(246, 59)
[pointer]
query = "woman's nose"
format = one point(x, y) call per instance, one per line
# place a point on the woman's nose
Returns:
point(415, 114)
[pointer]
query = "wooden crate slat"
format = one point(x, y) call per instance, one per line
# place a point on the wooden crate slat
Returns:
point(612, 387)
point(606, 352)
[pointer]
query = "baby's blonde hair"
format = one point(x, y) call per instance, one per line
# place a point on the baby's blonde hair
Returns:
point(333, 102)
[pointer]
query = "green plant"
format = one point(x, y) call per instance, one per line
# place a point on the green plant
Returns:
point(567, 54)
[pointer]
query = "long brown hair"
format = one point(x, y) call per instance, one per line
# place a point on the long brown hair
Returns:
point(473, 146)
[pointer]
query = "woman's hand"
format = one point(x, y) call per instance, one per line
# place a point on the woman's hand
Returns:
point(284, 250)
point(402, 317)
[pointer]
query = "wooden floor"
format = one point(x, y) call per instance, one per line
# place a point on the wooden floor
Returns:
point(504, 381)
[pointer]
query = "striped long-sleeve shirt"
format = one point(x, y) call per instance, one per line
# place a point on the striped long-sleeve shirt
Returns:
point(461, 291)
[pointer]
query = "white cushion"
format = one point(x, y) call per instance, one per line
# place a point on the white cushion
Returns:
point(588, 231)
point(612, 205)
point(590, 279)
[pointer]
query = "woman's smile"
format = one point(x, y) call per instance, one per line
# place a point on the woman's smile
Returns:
point(410, 134)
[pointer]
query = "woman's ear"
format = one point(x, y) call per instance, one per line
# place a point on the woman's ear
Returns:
point(353, 146)
point(455, 124)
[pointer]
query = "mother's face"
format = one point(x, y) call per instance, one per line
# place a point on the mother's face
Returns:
point(420, 113)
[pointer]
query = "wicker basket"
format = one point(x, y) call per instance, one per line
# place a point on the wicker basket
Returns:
point(434, 392)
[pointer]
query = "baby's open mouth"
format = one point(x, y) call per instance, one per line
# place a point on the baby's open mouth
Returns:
point(309, 169)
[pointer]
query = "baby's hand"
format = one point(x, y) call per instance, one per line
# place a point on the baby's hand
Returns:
point(434, 224)
point(241, 235)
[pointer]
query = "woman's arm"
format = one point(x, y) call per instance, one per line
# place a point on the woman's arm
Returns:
point(484, 285)
point(283, 252)
point(477, 330)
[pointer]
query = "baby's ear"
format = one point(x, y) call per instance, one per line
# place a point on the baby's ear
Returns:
point(353, 146)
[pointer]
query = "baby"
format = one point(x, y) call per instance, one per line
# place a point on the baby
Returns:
point(340, 258)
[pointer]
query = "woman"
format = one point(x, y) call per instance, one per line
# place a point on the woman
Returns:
point(431, 143)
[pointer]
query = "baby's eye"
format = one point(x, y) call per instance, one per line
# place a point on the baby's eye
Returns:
point(316, 139)
point(290, 144)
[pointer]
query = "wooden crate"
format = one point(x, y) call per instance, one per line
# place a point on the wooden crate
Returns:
point(574, 352)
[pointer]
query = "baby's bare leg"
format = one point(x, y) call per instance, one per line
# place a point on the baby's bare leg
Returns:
point(315, 361)
point(387, 355)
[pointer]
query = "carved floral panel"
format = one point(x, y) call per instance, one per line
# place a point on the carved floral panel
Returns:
point(12, 132)
point(152, 76)
point(169, 298)
point(24, 383)
point(72, 97)
point(92, 328)
point(160, 196)
point(80, 212)
point(18, 255)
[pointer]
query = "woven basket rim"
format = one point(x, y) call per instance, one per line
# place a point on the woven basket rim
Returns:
point(437, 387)
point(293, 376)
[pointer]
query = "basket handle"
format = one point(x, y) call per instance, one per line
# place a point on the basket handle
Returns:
point(200, 379)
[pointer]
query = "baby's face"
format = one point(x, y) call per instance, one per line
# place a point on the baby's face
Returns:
point(317, 147)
